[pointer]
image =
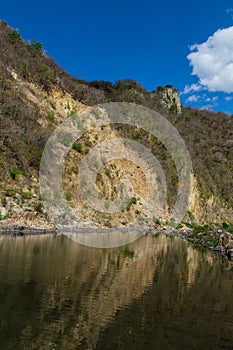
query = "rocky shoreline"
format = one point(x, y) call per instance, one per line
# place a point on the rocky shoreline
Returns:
point(208, 240)
point(26, 231)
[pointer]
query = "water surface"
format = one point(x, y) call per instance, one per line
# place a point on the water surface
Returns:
point(156, 293)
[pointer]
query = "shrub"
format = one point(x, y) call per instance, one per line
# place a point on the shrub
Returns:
point(39, 207)
point(35, 45)
point(68, 196)
point(173, 108)
point(14, 36)
point(50, 117)
point(133, 200)
point(188, 224)
point(26, 195)
point(78, 147)
point(179, 226)
point(190, 215)
point(126, 84)
point(88, 143)
point(225, 225)
point(14, 172)
point(108, 172)
point(4, 217)
point(157, 221)
point(10, 193)
point(198, 228)
point(160, 88)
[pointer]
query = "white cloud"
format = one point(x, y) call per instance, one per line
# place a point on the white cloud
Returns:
point(191, 88)
point(212, 61)
point(193, 98)
point(211, 99)
point(228, 98)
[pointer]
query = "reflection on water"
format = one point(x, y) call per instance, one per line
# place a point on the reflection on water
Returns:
point(156, 293)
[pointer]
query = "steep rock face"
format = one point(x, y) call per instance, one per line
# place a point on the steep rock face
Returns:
point(36, 99)
point(19, 188)
point(209, 210)
point(170, 98)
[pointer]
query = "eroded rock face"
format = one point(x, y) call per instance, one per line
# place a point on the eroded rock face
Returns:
point(170, 98)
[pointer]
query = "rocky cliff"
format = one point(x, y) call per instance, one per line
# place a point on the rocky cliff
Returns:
point(37, 95)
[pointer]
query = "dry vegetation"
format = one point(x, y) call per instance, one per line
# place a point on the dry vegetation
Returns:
point(208, 135)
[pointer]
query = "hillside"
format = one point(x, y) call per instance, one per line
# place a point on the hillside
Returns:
point(36, 95)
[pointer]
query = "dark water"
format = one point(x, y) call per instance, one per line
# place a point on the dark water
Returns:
point(157, 293)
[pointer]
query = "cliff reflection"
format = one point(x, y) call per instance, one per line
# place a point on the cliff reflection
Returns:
point(56, 294)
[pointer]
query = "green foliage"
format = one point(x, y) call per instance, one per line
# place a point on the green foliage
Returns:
point(3, 217)
point(10, 192)
point(14, 172)
point(14, 36)
point(43, 70)
point(88, 143)
point(68, 196)
point(190, 215)
point(157, 221)
point(160, 88)
point(225, 225)
point(173, 108)
point(50, 117)
point(77, 146)
point(197, 228)
point(188, 224)
point(133, 200)
point(179, 226)
point(192, 114)
point(35, 45)
point(27, 195)
point(108, 171)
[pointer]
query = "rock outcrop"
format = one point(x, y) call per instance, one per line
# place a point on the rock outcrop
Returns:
point(170, 98)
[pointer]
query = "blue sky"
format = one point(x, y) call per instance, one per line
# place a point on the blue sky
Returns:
point(144, 40)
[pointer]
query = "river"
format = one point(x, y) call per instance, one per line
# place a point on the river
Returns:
point(155, 293)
